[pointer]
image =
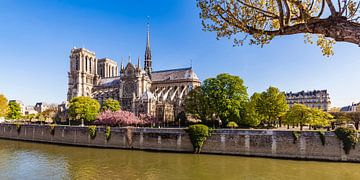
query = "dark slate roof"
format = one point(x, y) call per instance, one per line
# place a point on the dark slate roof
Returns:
point(109, 82)
point(307, 93)
point(174, 74)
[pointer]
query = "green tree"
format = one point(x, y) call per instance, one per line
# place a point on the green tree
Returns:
point(259, 21)
point(84, 109)
point(271, 105)
point(197, 103)
point(14, 111)
point(111, 104)
point(319, 118)
point(298, 114)
point(252, 117)
point(227, 97)
point(3, 105)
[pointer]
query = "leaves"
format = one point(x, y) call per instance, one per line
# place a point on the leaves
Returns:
point(83, 108)
point(14, 111)
point(3, 105)
point(111, 104)
point(259, 21)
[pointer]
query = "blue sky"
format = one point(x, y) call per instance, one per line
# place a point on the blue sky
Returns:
point(36, 37)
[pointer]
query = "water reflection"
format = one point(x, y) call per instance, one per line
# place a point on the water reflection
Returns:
point(22, 160)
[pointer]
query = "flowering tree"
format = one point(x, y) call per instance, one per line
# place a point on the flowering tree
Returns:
point(147, 119)
point(124, 118)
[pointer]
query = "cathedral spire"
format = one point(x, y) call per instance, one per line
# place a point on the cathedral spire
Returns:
point(148, 62)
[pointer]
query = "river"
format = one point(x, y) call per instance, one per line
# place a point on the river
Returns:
point(25, 160)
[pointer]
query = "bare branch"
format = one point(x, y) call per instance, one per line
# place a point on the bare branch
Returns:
point(287, 19)
point(322, 8)
point(331, 7)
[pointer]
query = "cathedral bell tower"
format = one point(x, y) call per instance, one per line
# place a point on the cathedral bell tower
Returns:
point(83, 73)
point(148, 62)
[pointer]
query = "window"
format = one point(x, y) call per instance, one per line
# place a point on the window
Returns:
point(77, 63)
point(90, 66)
point(86, 63)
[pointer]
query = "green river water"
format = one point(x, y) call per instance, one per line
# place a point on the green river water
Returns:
point(24, 160)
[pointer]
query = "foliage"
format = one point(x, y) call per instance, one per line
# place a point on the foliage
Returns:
point(84, 109)
point(123, 118)
point(52, 128)
point(224, 96)
point(197, 103)
point(232, 124)
point(340, 117)
point(252, 117)
point(92, 131)
point(322, 137)
point(259, 21)
point(296, 135)
point(108, 132)
point(227, 96)
point(271, 105)
point(348, 136)
point(300, 114)
point(49, 113)
point(14, 111)
point(319, 118)
point(3, 105)
point(198, 134)
point(110, 104)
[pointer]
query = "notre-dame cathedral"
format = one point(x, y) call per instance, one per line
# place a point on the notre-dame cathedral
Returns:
point(139, 90)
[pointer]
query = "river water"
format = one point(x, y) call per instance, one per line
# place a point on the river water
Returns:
point(24, 160)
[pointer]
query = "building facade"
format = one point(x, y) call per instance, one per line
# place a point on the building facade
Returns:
point(314, 99)
point(139, 90)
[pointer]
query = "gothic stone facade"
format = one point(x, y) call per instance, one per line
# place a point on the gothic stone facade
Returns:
point(139, 90)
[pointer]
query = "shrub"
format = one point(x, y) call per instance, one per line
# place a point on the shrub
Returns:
point(348, 136)
point(108, 132)
point(322, 137)
point(232, 124)
point(92, 131)
point(198, 134)
point(296, 135)
point(52, 128)
point(18, 127)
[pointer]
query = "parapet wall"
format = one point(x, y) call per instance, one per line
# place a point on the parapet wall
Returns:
point(267, 143)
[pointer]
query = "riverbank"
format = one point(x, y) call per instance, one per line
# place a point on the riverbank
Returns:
point(264, 143)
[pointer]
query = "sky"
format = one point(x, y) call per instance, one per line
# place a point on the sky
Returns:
point(36, 38)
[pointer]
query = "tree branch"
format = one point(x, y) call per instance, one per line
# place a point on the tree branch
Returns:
point(331, 7)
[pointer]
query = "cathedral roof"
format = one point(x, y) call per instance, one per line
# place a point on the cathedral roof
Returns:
point(109, 82)
point(174, 74)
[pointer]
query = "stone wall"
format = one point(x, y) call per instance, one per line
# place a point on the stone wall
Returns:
point(266, 143)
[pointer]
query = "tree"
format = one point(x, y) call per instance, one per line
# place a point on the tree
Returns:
point(14, 111)
point(110, 104)
point(123, 118)
point(271, 105)
point(197, 103)
point(227, 97)
point(252, 117)
point(298, 114)
point(262, 20)
point(84, 109)
point(50, 113)
point(3, 105)
point(319, 118)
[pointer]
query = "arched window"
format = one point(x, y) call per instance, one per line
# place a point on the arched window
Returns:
point(77, 63)
point(86, 63)
point(90, 65)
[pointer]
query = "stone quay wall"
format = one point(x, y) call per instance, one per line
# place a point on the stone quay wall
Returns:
point(263, 143)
